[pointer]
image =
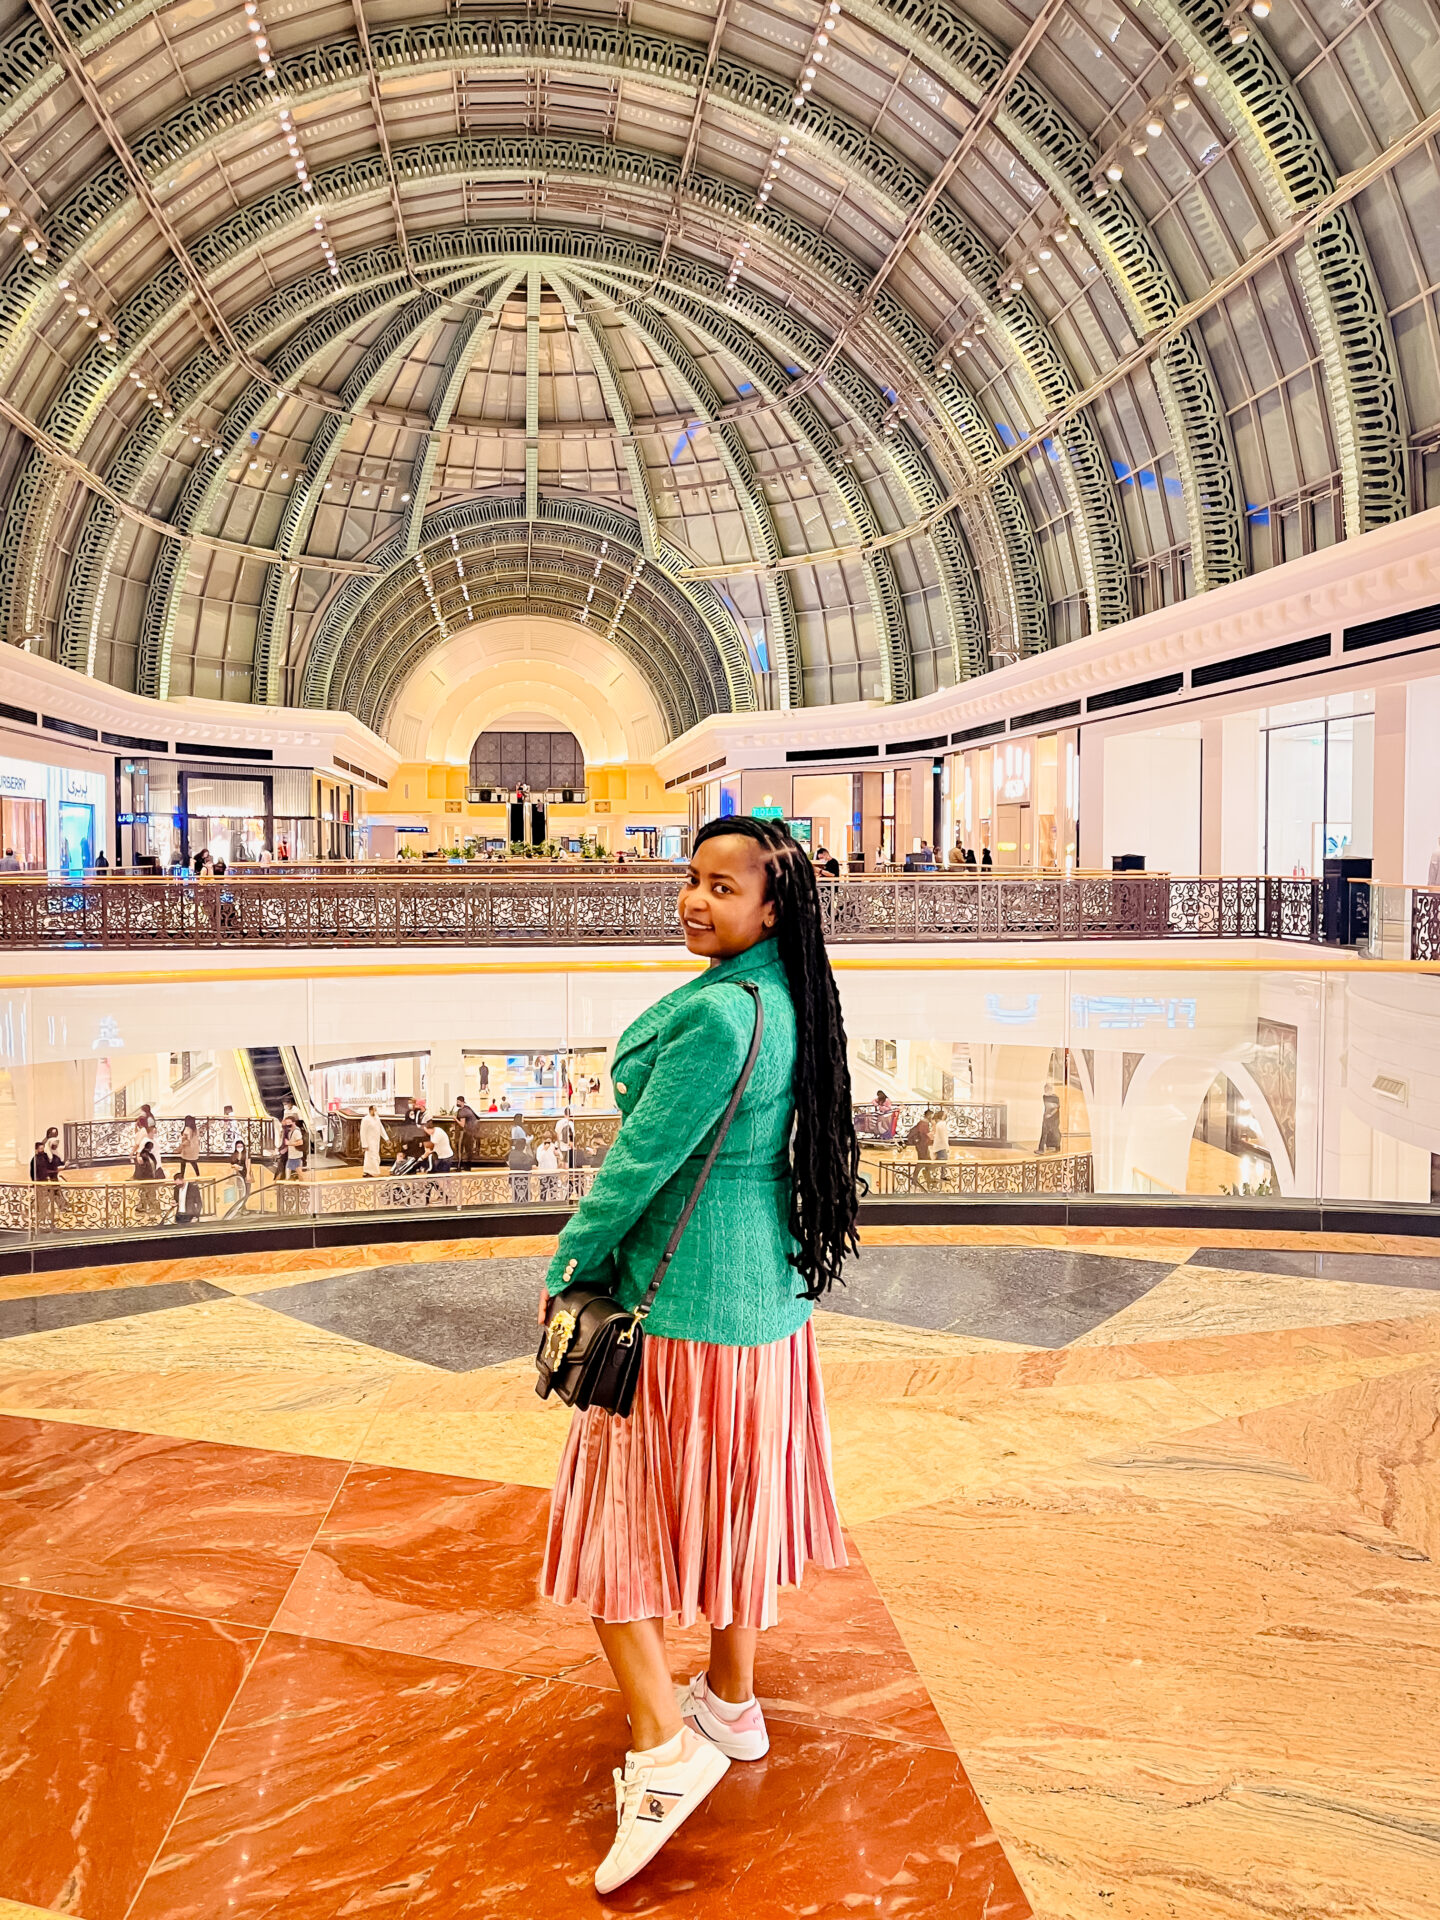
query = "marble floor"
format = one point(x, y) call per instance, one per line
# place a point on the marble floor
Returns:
point(1142, 1620)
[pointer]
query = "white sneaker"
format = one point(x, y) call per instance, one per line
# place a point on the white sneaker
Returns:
point(652, 1801)
point(742, 1739)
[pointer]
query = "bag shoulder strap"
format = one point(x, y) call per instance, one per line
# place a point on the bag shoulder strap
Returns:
point(643, 1309)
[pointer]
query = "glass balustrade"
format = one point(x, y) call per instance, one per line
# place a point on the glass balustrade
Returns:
point(1252, 1083)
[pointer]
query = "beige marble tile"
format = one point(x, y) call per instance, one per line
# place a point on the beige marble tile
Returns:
point(1195, 1301)
point(1234, 1373)
point(214, 1334)
point(287, 1412)
point(843, 1336)
point(1376, 1440)
point(1039, 1443)
point(1199, 1690)
point(489, 1425)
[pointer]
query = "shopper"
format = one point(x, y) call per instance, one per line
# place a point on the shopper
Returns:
point(442, 1152)
point(9, 864)
point(717, 1488)
point(547, 1161)
point(188, 1151)
point(372, 1135)
point(293, 1142)
point(565, 1140)
point(826, 863)
point(520, 1160)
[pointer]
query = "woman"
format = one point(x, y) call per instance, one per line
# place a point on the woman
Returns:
point(149, 1206)
point(717, 1489)
point(188, 1151)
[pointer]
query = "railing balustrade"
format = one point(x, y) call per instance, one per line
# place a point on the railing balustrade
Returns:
point(460, 907)
point(970, 1123)
point(93, 1143)
point(1046, 1173)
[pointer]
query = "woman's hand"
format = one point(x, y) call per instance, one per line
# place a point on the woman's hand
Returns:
point(544, 1308)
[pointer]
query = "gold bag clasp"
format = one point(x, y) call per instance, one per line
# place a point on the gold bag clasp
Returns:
point(559, 1332)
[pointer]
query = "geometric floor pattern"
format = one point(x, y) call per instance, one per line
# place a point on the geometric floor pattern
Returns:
point(1142, 1616)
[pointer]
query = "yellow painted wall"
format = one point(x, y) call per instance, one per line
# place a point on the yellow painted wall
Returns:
point(434, 793)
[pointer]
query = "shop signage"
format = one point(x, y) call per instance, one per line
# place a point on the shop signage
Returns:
point(18, 776)
point(134, 819)
point(767, 813)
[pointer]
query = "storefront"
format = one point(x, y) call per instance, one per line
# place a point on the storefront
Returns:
point(169, 812)
point(51, 817)
point(1018, 799)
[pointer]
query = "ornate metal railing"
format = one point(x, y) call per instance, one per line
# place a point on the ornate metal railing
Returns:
point(977, 1125)
point(126, 1206)
point(90, 1143)
point(465, 908)
point(484, 1143)
point(1047, 1173)
point(1425, 925)
point(319, 1199)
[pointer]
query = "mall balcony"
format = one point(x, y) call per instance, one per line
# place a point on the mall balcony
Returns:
point(464, 469)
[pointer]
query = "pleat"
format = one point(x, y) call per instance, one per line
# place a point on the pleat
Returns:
point(714, 1494)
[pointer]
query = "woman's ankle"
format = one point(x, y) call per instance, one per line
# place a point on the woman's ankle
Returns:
point(645, 1735)
point(733, 1691)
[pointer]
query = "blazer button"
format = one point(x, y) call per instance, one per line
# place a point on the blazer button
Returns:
point(620, 1087)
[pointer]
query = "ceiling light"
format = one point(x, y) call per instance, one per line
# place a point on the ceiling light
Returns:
point(404, 499)
point(70, 298)
point(822, 39)
point(1114, 171)
point(945, 366)
point(1201, 80)
point(967, 341)
point(1239, 34)
point(1181, 103)
point(1015, 286)
point(1045, 253)
point(809, 73)
point(784, 139)
point(253, 465)
point(1139, 148)
point(804, 86)
point(4, 213)
point(1260, 9)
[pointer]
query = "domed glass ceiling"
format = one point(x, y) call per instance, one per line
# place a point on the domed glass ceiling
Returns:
point(806, 352)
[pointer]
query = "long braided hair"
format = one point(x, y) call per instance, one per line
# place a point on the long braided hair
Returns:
point(826, 1153)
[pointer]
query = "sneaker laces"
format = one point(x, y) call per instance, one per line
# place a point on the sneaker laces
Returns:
point(630, 1784)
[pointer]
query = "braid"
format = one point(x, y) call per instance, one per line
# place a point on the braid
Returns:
point(826, 1153)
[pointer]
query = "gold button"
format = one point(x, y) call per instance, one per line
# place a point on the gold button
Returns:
point(620, 1087)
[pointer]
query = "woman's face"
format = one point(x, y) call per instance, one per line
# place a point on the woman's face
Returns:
point(723, 908)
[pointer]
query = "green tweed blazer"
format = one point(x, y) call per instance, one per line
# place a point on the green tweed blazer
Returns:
point(731, 1283)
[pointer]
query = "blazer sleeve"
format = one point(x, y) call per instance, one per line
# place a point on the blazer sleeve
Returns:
point(698, 1062)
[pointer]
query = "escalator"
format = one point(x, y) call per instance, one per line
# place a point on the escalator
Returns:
point(272, 1082)
point(278, 1079)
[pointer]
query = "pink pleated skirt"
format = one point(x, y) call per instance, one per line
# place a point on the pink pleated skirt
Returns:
point(708, 1499)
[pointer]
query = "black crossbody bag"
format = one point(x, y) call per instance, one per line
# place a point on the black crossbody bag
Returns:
point(590, 1352)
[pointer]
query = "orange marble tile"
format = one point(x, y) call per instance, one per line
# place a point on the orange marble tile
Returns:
point(108, 1713)
point(429, 1791)
point(146, 1522)
point(447, 1567)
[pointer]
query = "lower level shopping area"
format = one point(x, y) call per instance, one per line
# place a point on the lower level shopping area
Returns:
point(1140, 1078)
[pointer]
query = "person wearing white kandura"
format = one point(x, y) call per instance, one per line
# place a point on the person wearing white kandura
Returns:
point(371, 1134)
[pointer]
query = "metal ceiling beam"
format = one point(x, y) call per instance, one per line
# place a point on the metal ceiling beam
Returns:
point(307, 488)
point(1336, 279)
point(749, 492)
point(915, 220)
point(1084, 468)
point(469, 335)
point(702, 683)
point(592, 332)
point(722, 666)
